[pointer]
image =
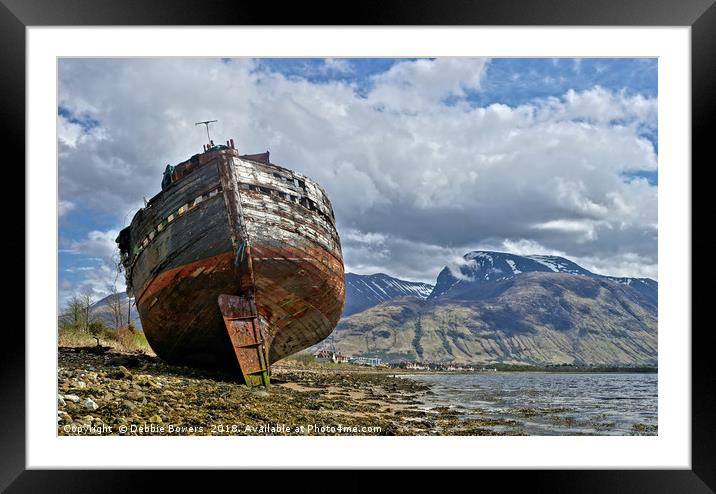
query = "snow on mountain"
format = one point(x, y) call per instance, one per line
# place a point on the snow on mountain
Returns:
point(364, 291)
point(560, 265)
point(481, 267)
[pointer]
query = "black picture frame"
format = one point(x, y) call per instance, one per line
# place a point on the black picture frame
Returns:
point(700, 15)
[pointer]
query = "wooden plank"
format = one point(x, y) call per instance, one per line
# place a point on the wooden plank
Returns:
point(244, 329)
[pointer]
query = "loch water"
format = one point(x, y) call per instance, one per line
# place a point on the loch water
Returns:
point(543, 403)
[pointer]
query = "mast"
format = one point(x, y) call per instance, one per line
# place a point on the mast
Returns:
point(207, 122)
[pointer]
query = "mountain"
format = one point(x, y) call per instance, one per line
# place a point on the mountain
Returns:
point(496, 307)
point(484, 267)
point(365, 291)
point(104, 311)
point(646, 286)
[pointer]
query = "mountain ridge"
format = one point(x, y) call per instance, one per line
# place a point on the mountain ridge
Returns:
point(504, 308)
point(365, 291)
point(486, 266)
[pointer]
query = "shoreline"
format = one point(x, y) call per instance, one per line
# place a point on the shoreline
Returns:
point(116, 393)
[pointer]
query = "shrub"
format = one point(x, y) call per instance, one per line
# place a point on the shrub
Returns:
point(96, 328)
point(303, 358)
point(124, 339)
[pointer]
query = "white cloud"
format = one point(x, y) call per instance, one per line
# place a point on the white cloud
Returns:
point(97, 243)
point(601, 105)
point(99, 281)
point(336, 65)
point(67, 132)
point(587, 229)
point(455, 265)
point(622, 264)
point(72, 134)
point(428, 180)
point(416, 84)
point(524, 247)
point(103, 275)
point(80, 268)
point(64, 207)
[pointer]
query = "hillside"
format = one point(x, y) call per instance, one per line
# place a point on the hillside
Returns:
point(102, 309)
point(512, 312)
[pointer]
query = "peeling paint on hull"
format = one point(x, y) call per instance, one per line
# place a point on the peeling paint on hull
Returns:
point(183, 249)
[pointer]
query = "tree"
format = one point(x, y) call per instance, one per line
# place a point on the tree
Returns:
point(116, 309)
point(72, 316)
point(87, 301)
point(115, 300)
point(77, 313)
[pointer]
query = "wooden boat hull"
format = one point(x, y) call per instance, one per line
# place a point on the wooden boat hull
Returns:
point(186, 248)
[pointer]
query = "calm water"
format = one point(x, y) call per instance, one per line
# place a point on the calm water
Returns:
point(552, 403)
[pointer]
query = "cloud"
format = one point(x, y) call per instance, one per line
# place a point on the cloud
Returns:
point(98, 282)
point(72, 133)
point(64, 207)
point(417, 172)
point(601, 105)
point(418, 84)
point(102, 245)
point(337, 66)
point(80, 268)
point(99, 272)
point(455, 265)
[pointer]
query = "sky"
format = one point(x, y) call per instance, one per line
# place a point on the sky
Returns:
point(423, 159)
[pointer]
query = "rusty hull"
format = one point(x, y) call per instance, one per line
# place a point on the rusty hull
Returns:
point(234, 226)
point(300, 302)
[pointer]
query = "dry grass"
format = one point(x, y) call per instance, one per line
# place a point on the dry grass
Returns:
point(123, 339)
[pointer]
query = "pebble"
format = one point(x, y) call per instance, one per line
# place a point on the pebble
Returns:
point(135, 395)
point(90, 405)
point(121, 372)
point(87, 420)
point(157, 393)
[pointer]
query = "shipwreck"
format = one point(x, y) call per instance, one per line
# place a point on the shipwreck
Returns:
point(235, 264)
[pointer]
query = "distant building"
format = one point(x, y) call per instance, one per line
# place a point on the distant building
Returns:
point(327, 356)
point(366, 360)
point(339, 358)
point(323, 356)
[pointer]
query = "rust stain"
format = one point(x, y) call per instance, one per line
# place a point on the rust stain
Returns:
point(274, 275)
point(163, 279)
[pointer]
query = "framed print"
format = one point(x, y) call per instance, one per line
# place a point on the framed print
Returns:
point(428, 238)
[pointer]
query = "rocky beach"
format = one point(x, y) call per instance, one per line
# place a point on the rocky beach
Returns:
point(132, 394)
point(107, 392)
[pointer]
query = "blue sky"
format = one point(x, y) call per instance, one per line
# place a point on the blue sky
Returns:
point(511, 81)
point(508, 80)
point(368, 120)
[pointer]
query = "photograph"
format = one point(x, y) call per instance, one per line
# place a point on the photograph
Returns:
point(444, 246)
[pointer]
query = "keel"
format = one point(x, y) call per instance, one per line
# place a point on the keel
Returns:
point(247, 337)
